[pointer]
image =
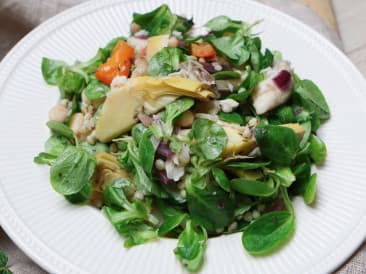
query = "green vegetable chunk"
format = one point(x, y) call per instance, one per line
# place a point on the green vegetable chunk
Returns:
point(277, 143)
point(191, 247)
point(165, 62)
point(268, 232)
point(318, 150)
point(210, 137)
point(72, 171)
point(96, 90)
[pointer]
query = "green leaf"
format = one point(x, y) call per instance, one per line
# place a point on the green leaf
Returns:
point(80, 197)
point(277, 143)
point(318, 150)
point(268, 232)
point(92, 149)
point(146, 152)
point(96, 90)
point(253, 187)
point(233, 47)
point(72, 82)
point(171, 222)
point(307, 131)
point(45, 158)
point(137, 132)
point(212, 208)
point(175, 110)
point(156, 22)
point(191, 247)
point(183, 24)
point(312, 98)
point(60, 129)
point(245, 89)
point(267, 59)
point(165, 62)
point(226, 75)
point(302, 173)
point(137, 234)
point(245, 165)
point(310, 190)
point(210, 138)
point(285, 115)
point(52, 70)
point(233, 118)
point(72, 171)
point(285, 175)
point(3, 259)
point(114, 195)
point(223, 24)
point(220, 178)
point(56, 144)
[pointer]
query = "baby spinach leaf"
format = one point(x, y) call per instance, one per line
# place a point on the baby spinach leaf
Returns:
point(268, 232)
point(45, 158)
point(191, 247)
point(285, 115)
point(171, 222)
point(52, 70)
point(72, 170)
point(210, 138)
point(114, 195)
point(96, 90)
point(92, 149)
point(56, 144)
point(245, 89)
point(285, 175)
point(137, 132)
point(146, 152)
point(267, 59)
point(223, 24)
point(156, 22)
point(137, 234)
point(318, 150)
point(212, 208)
point(165, 62)
point(174, 110)
point(245, 165)
point(226, 75)
point(80, 197)
point(220, 178)
point(233, 118)
point(183, 24)
point(253, 187)
point(277, 143)
point(302, 173)
point(60, 129)
point(310, 190)
point(72, 82)
point(312, 98)
point(233, 47)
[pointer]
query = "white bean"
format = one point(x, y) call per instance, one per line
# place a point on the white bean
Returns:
point(58, 113)
point(134, 27)
point(186, 120)
point(173, 42)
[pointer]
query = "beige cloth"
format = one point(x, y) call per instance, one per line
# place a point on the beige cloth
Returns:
point(18, 17)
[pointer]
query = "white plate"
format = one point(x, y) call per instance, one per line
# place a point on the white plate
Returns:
point(70, 239)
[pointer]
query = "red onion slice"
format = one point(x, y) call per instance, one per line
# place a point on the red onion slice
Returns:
point(163, 177)
point(283, 80)
point(164, 150)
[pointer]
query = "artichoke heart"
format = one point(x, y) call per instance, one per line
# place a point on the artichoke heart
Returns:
point(107, 170)
point(143, 94)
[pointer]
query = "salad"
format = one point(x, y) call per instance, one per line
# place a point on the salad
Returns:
point(188, 132)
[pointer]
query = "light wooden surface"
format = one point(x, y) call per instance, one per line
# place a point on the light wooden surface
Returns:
point(351, 18)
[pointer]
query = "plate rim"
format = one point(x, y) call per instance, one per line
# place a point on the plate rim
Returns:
point(53, 262)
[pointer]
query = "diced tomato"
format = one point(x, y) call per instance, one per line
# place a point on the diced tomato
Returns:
point(204, 50)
